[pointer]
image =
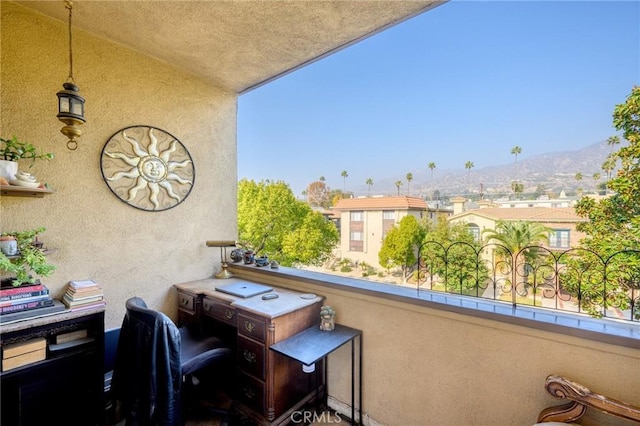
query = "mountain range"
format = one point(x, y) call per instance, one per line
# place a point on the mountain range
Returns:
point(547, 173)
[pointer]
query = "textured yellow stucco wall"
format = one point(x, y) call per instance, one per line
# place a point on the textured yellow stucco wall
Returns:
point(94, 234)
point(429, 367)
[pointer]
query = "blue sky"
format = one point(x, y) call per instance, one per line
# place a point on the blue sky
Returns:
point(466, 81)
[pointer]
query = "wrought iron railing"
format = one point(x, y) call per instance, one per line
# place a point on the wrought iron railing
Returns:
point(576, 280)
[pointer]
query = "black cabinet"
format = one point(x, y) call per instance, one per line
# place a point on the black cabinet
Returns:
point(67, 386)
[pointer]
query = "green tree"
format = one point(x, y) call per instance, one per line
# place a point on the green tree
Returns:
point(578, 177)
point(516, 236)
point(469, 165)
point(344, 175)
point(613, 226)
point(398, 185)
point(517, 188)
point(540, 190)
point(516, 243)
point(271, 221)
point(515, 151)
point(596, 178)
point(400, 245)
point(369, 184)
point(613, 141)
point(608, 166)
point(450, 257)
point(311, 243)
point(409, 179)
point(431, 166)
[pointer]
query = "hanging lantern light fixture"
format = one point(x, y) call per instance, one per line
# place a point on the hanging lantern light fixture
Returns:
point(70, 103)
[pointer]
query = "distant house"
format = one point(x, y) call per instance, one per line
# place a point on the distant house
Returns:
point(562, 221)
point(364, 222)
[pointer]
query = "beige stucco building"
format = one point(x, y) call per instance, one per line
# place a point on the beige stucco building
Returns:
point(181, 66)
point(561, 220)
point(365, 221)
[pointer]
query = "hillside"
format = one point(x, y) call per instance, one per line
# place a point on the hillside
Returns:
point(554, 172)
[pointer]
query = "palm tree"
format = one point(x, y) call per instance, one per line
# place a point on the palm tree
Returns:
point(596, 178)
point(409, 179)
point(398, 185)
point(578, 176)
point(344, 175)
point(608, 166)
point(516, 243)
point(613, 141)
point(431, 166)
point(469, 165)
point(515, 151)
point(369, 183)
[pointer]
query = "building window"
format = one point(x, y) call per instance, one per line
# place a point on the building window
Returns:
point(388, 215)
point(357, 216)
point(559, 238)
point(474, 230)
point(356, 241)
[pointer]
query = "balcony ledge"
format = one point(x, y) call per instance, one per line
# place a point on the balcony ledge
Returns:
point(604, 330)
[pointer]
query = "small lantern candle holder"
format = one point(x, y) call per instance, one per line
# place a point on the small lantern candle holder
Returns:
point(327, 318)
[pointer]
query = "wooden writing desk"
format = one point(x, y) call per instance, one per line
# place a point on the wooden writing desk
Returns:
point(269, 386)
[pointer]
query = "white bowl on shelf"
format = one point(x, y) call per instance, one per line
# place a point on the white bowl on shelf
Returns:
point(23, 183)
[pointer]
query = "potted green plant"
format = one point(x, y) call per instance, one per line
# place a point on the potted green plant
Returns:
point(12, 150)
point(29, 260)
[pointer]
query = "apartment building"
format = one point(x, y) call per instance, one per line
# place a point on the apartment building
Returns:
point(365, 221)
point(562, 220)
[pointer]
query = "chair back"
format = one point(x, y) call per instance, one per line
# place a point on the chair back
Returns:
point(148, 375)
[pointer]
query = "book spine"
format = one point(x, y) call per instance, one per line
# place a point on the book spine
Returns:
point(21, 289)
point(24, 300)
point(26, 306)
point(24, 295)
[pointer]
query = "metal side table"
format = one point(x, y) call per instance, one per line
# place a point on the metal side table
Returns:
point(312, 345)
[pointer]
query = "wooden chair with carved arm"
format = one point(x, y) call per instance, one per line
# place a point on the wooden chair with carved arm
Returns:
point(581, 398)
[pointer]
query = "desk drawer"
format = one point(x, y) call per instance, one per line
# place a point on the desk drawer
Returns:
point(221, 311)
point(187, 302)
point(251, 392)
point(251, 357)
point(251, 327)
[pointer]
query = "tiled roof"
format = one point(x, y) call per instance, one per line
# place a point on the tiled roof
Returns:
point(533, 214)
point(381, 203)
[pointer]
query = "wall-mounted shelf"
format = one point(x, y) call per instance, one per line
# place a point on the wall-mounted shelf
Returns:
point(19, 191)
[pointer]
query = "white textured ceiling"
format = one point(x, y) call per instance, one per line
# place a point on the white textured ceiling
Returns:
point(236, 44)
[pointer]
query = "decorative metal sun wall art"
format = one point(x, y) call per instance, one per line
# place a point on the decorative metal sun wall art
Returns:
point(147, 168)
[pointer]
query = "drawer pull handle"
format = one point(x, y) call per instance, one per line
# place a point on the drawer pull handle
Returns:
point(249, 393)
point(228, 313)
point(208, 307)
point(249, 356)
point(185, 302)
point(249, 326)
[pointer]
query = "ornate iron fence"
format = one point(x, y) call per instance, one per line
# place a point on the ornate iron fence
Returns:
point(575, 280)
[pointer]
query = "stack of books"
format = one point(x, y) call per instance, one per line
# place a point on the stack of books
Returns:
point(83, 295)
point(25, 297)
point(18, 354)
